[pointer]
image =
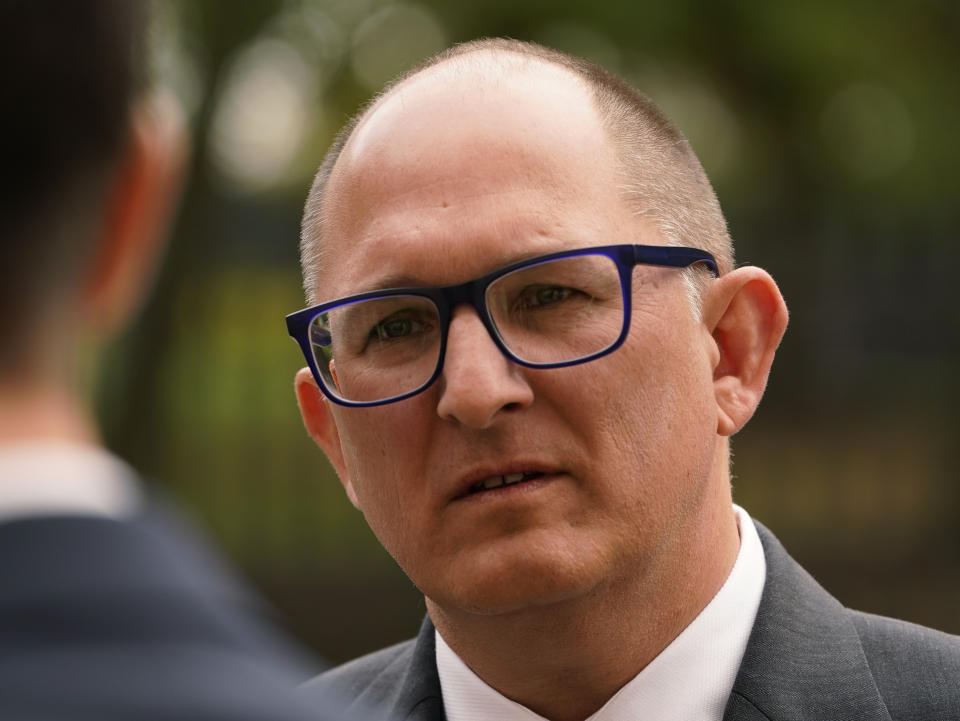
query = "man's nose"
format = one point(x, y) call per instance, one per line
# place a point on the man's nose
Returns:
point(478, 382)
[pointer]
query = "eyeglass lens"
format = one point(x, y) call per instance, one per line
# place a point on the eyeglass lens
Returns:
point(552, 312)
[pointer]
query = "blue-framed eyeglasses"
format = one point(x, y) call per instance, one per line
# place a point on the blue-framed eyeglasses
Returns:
point(550, 311)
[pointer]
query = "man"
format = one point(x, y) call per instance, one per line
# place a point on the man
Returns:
point(536, 423)
point(108, 608)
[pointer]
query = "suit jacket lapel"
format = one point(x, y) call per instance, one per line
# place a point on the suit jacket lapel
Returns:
point(804, 660)
point(420, 695)
point(417, 696)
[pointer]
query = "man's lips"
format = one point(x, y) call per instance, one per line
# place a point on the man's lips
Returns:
point(480, 482)
point(505, 480)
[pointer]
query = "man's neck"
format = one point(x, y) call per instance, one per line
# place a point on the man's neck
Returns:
point(39, 411)
point(576, 655)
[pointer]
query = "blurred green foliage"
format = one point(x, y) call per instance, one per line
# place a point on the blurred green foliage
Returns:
point(829, 130)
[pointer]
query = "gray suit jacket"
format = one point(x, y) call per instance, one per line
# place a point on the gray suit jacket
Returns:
point(808, 659)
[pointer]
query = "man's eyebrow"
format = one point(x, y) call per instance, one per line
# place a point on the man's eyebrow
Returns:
point(396, 280)
point(406, 280)
point(386, 282)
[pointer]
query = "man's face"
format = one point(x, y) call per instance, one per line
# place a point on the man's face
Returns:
point(452, 176)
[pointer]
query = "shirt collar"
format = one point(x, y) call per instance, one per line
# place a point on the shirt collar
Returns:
point(690, 679)
point(42, 478)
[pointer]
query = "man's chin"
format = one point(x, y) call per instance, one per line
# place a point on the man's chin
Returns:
point(513, 591)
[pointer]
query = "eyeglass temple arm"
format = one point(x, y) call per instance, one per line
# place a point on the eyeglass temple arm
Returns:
point(673, 256)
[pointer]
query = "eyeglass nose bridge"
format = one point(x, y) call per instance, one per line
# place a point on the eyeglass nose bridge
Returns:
point(473, 294)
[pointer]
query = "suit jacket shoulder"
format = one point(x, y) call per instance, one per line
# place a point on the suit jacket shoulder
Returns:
point(917, 669)
point(811, 659)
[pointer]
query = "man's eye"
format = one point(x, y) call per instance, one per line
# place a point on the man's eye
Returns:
point(399, 326)
point(544, 295)
point(392, 328)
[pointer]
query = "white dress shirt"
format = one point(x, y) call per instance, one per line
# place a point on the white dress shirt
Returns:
point(690, 680)
point(43, 478)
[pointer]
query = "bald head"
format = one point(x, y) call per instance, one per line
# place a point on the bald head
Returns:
point(654, 169)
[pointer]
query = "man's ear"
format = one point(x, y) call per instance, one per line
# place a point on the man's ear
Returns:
point(747, 317)
point(139, 207)
point(322, 427)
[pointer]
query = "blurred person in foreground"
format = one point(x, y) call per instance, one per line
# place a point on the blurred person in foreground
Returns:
point(108, 608)
point(529, 349)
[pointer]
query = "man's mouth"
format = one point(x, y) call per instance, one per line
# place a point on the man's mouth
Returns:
point(496, 481)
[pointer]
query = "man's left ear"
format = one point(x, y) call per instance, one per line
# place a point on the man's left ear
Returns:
point(747, 317)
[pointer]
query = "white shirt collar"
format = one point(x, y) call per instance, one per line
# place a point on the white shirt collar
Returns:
point(42, 478)
point(690, 679)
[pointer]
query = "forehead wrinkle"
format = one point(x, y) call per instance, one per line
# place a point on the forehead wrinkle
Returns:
point(467, 174)
point(378, 208)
